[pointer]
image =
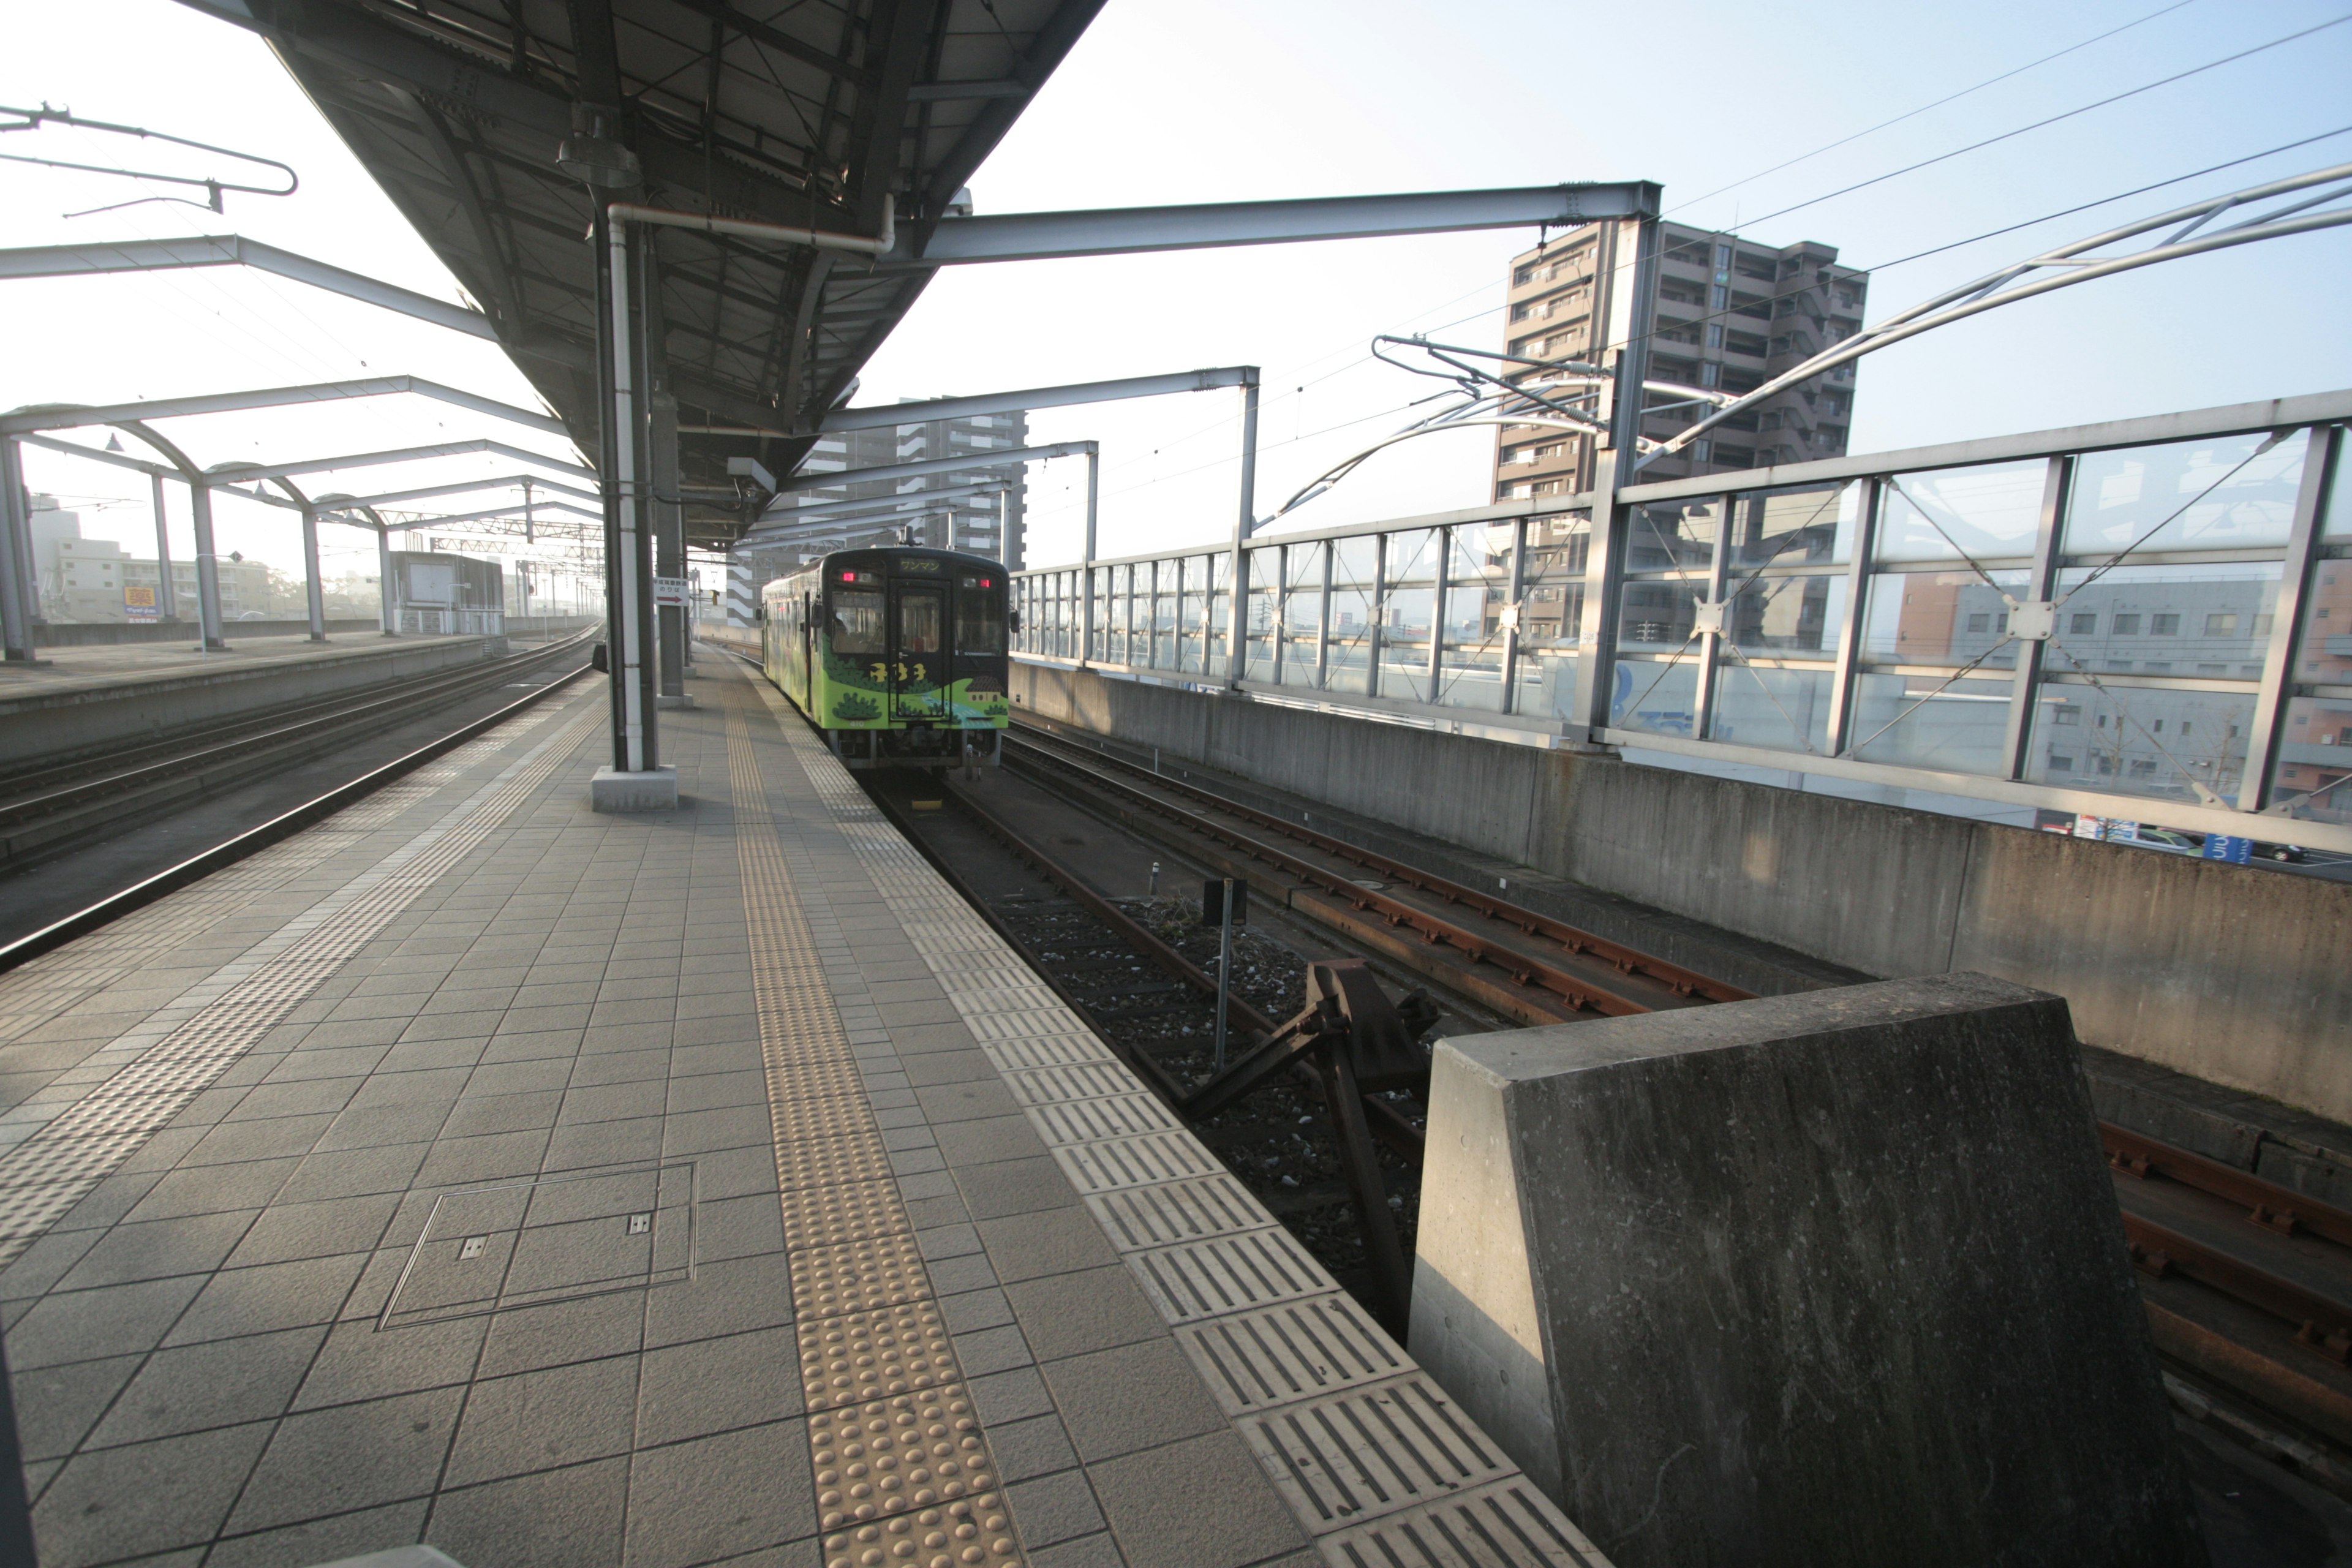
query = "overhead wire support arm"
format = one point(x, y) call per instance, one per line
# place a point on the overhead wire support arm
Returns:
point(34, 118)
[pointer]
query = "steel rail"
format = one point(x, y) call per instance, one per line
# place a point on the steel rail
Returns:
point(256, 839)
point(2320, 1323)
point(180, 761)
point(1576, 939)
point(2268, 1204)
point(1526, 969)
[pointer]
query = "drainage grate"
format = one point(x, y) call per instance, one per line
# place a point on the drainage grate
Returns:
point(1299, 1350)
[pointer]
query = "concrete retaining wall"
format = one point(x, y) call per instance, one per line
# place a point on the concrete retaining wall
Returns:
point(82, 715)
point(2234, 976)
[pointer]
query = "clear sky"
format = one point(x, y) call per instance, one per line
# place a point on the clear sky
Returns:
point(1214, 99)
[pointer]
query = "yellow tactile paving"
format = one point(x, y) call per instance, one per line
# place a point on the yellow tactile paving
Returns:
point(902, 1467)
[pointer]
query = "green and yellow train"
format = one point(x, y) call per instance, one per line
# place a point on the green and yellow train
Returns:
point(898, 655)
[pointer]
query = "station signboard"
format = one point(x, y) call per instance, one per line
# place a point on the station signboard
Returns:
point(139, 602)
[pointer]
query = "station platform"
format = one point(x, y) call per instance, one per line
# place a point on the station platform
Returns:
point(711, 1187)
point(76, 670)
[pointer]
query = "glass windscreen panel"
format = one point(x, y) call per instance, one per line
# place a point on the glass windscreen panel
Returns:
point(1551, 609)
point(1659, 695)
point(1657, 616)
point(1166, 605)
point(2315, 753)
point(1774, 674)
point(1948, 724)
point(2232, 492)
point(2212, 620)
point(1219, 576)
point(1796, 528)
point(1347, 650)
point(1941, 618)
point(1990, 512)
point(1302, 613)
point(1408, 606)
point(1471, 624)
point(1674, 535)
point(1265, 580)
point(2169, 744)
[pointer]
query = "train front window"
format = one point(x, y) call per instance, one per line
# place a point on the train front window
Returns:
point(978, 621)
point(919, 623)
point(855, 627)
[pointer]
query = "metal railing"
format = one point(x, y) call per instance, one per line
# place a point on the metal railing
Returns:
point(2143, 620)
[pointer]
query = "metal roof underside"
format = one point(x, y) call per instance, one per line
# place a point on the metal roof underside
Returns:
point(806, 113)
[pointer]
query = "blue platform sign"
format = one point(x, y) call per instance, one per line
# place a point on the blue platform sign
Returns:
point(2228, 847)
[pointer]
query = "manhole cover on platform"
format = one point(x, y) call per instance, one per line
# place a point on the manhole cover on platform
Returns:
point(523, 1243)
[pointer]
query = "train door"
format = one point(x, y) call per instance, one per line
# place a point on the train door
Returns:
point(808, 641)
point(918, 670)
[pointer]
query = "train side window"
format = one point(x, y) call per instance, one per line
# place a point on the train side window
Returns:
point(979, 623)
point(855, 627)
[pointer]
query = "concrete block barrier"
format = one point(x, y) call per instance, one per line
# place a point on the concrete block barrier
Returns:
point(1832, 1280)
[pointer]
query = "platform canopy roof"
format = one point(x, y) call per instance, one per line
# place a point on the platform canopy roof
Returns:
point(806, 113)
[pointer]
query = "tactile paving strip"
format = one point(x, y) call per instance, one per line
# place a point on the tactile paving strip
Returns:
point(1268, 1328)
point(43, 1177)
point(1374, 1450)
point(902, 1467)
point(1298, 1350)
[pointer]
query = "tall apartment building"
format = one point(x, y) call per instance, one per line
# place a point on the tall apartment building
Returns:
point(83, 580)
point(1730, 315)
point(979, 525)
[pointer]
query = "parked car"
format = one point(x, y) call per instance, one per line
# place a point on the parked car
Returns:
point(2291, 853)
point(2166, 839)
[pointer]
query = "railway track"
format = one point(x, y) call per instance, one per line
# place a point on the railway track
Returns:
point(50, 808)
point(2248, 1284)
point(285, 824)
point(1521, 962)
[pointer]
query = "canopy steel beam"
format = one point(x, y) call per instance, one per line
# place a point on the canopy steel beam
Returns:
point(466, 487)
point(992, 460)
point(233, 250)
point(496, 512)
point(1119, 231)
point(1034, 397)
point(418, 454)
point(72, 419)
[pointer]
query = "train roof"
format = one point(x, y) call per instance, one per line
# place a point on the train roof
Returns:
point(887, 554)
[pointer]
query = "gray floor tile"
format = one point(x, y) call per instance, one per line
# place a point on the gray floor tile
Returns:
point(1053, 1241)
point(219, 1383)
point(502, 1114)
point(569, 1518)
point(1009, 1397)
point(271, 1297)
point(360, 1363)
point(353, 1173)
point(1154, 1502)
point(159, 1249)
point(1054, 1508)
point(1002, 1187)
point(57, 1405)
point(1075, 1314)
point(966, 1101)
point(721, 1496)
point(350, 1456)
point(540, 1420)
point(1134, 1396)
point(589, 1328)
point(726, 1297)
point(212, 1189)
point(80, 1325)
point(321, 1229)
point(114, 1503)
point(473, 1162)
point(715, 1385)
point(1029, 1448)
